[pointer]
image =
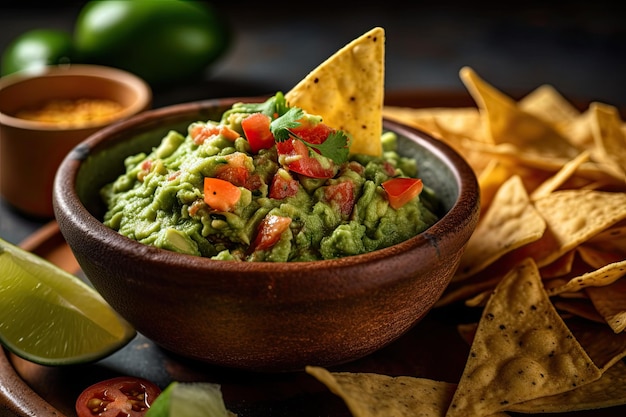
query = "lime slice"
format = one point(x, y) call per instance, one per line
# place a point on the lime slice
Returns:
point(51, 317)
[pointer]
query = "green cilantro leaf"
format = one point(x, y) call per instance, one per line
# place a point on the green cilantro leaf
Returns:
point(335, 147)
point(280, 126)
point(275, 105)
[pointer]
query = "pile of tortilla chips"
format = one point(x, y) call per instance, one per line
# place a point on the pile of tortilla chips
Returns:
point(547, 263)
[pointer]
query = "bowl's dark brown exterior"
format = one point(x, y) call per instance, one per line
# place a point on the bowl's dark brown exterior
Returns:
point(261, 316)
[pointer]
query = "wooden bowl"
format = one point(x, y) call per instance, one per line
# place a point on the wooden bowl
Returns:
point(31, 150)
point(261, 316)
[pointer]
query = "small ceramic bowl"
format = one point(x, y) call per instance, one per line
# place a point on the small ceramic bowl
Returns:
point(261, 316)
point(31, 149)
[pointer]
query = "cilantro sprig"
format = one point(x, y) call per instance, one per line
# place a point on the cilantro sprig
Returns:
point(280, 127)
point(335, 147)
point(285, 118)
point(272, 107)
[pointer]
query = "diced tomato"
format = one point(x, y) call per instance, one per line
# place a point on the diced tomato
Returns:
point(254, 182)
point(256, 128)
point(315, 134)
point(201, 132)
point(341, 195)
point(228, 133)
point(235, 169)
point(269, 232)
point(283, 185)
point(295, 156)
point(116, 397)
point(220, 194)
point(233, 174)
point(402, 190)
point(146, 167)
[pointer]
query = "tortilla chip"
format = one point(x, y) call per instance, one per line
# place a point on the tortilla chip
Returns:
point(578, 308)
point(558, 179)
point(510, 222)
point(611, 239)
point(597, 257)
point(597, 278)
point(522, 350)
point(442, 122)
point(610, 301)
point(347, 90)
point(572, 217)
point(375, 395)
point(548, 104)
point(491, 179)
point(608, 391)
point(609, 138)
point(602, 345)
point(559, 267)
point(522, 133)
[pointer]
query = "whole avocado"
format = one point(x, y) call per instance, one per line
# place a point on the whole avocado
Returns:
point(163, 41)
point(36, 48)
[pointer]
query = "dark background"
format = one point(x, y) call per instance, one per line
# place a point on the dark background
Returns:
point(578, 47)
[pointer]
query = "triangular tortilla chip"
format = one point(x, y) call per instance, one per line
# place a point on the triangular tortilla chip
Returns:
point(606, 275)
point(573, 217)
point(559, 178)
point(547, 103)
point(510, 223)
point(374, 395)
point(533, 138)
point(608, 391)
point(347, 90)
point(610, 301)
point(609, 138)
point(522, 350)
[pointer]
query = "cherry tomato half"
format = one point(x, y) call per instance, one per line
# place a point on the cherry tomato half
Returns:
point(124, 396)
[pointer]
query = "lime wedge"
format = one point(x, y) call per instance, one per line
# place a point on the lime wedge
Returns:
point(51, 317)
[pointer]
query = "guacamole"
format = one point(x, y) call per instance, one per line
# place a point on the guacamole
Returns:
point(268, 182)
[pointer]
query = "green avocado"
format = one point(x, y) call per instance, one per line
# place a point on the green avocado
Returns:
point(37, 48)
point(163, 41)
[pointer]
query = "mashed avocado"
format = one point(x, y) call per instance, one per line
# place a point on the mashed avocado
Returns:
point(278, 188)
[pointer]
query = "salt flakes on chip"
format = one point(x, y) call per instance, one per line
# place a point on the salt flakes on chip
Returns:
point(522, 350)
point(347, 90)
